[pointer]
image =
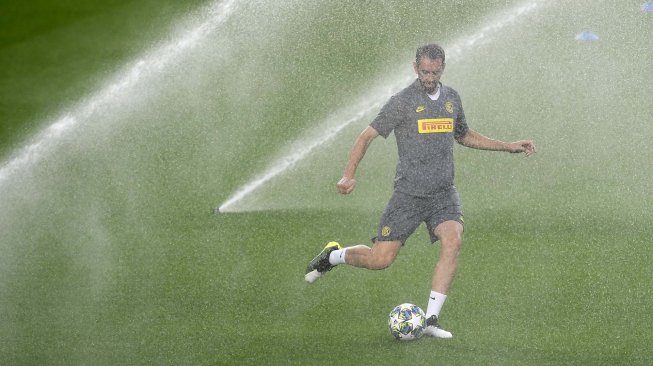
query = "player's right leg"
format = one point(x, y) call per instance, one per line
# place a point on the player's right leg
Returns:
point(380, 256)
point(398, 222)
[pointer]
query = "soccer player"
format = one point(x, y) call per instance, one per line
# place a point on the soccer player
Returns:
point(426, 117)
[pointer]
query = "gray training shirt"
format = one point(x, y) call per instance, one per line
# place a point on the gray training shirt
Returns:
point(425, 130)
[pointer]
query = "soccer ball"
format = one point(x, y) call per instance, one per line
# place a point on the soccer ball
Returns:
point(406, 322)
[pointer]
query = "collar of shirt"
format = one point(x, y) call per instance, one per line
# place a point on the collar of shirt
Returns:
point(435, 95)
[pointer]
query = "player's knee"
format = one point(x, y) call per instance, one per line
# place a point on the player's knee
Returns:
point(382, 260)
point(383, 254)
point(452, 242)
point(452, 239)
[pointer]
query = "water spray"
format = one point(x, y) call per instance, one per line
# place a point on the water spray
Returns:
point(149, 65)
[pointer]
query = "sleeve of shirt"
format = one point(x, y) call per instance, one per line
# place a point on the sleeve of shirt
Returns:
point(461, 127)
point(388, 118)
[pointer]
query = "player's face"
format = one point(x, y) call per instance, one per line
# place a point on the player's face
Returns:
point(429, 72)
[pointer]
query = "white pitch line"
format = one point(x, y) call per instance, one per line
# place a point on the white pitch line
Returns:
point(148, 65)
point(455, 50)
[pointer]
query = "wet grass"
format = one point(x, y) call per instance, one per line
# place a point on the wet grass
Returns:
point(229, 289)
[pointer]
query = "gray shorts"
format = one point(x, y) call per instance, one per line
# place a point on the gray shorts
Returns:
point(404, 213)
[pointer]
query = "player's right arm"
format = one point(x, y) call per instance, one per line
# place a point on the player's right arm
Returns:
point(347, 183)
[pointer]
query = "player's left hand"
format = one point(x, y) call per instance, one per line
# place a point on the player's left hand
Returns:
point(525, 146)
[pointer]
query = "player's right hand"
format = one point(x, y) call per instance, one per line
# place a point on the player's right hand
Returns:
point(346, 185)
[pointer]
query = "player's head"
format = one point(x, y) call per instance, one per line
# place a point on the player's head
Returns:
point(432, 51)
point(429, 66)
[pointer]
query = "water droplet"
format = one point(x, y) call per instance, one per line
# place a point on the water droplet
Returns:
point(587, 36)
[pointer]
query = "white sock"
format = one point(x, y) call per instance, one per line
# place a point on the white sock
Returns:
point(436, 300)
point(337, 256)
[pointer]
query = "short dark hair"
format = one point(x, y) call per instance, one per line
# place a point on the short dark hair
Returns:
point(432, 51)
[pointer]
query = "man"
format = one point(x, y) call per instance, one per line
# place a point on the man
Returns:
point(426, 118)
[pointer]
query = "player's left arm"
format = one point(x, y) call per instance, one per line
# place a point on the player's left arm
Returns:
point(475, 140)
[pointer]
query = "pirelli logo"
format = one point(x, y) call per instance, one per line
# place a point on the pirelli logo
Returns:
point(435, 125)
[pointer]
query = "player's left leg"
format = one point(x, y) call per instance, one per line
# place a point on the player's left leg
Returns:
point(450, 234)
